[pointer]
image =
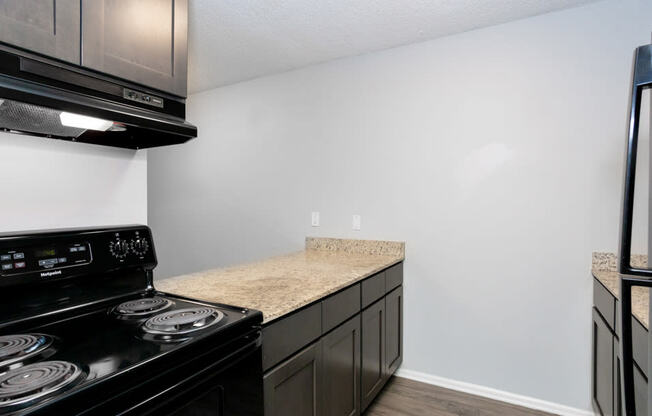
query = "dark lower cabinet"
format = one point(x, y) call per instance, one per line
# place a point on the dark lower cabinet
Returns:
point(393, 331)
point(351, 352)
point(640, 386)
point(373, 352)
point(606, 388)
point(640, 392)
point(294, 387)
point(602, 366)
point(341, 370)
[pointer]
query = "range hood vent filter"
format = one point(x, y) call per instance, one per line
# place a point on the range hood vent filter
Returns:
point(27, 118)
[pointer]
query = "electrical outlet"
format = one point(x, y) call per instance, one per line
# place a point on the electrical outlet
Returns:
point(356, 222)
point(315, 219)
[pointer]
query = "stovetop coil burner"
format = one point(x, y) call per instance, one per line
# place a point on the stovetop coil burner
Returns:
point(183, 321)
point(36, 381)
point(142, 307)
point(21, 347)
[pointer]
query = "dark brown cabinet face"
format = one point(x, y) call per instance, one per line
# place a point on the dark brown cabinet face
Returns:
point(393, 331)
point(640, 392)
point(602, 357)
point(373, 352)
point(341, 363)
point(143, 41)
point(294, 387)
point(640, 386)
point(353, 351)
point(50, 28)
point(606, 388)
point(618, 396)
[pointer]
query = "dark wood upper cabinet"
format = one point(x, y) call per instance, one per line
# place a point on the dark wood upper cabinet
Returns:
point(341, 364)
point(143, 41)
point(47, 27)
point(373, 352)
point(393, 331)
point(294, 387)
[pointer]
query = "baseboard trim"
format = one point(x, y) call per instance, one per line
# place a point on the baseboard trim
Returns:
point(503, 396)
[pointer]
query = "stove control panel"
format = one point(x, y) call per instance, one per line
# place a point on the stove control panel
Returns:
point(29, 259)
point(34, 256)
point(129, 245)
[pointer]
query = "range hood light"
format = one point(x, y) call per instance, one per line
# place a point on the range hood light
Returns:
point(84, 122)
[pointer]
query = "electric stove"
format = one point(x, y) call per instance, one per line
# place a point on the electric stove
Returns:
point(84, 331)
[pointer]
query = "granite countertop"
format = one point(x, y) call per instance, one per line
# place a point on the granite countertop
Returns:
point(282, 284)
point(605, 268)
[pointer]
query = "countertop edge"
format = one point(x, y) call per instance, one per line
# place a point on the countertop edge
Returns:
point(329, 292)
point(595, 275)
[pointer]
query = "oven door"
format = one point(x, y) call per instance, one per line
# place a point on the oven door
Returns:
point(234, 388)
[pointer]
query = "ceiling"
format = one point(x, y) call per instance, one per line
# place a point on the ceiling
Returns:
point(236, 40)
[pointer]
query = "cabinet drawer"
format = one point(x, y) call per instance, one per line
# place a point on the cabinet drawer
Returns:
point(373, 289)
point(340, 307)
point(605, 303)
point(288, 335)
point(393, 277)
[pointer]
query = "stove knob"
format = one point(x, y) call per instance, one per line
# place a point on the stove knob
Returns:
point(140, 246)
point(119, 248)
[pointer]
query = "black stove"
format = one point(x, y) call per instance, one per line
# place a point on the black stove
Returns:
point(83, 331)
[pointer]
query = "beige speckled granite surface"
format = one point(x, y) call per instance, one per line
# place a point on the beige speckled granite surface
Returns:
point(382, 248)
point(604, 268)
point(282, 284)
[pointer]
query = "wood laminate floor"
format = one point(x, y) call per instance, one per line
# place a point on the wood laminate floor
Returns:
point(403, 397)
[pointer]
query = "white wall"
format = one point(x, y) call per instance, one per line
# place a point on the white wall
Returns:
point(54, 184)
point(495, 154)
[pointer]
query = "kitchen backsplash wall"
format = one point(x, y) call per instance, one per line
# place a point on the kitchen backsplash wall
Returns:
point(54, 184)
point(496, 155)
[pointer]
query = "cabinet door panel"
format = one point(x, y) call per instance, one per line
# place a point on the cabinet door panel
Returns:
point(294, 387)
point(394, 331)
point(640, 392)
point(48, 27)
point(143, 41)
point(618, 393)
point(373, 351)
point(341, 363)
point(603, 353)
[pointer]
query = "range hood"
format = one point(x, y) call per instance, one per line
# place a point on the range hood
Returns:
point(62, 102)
